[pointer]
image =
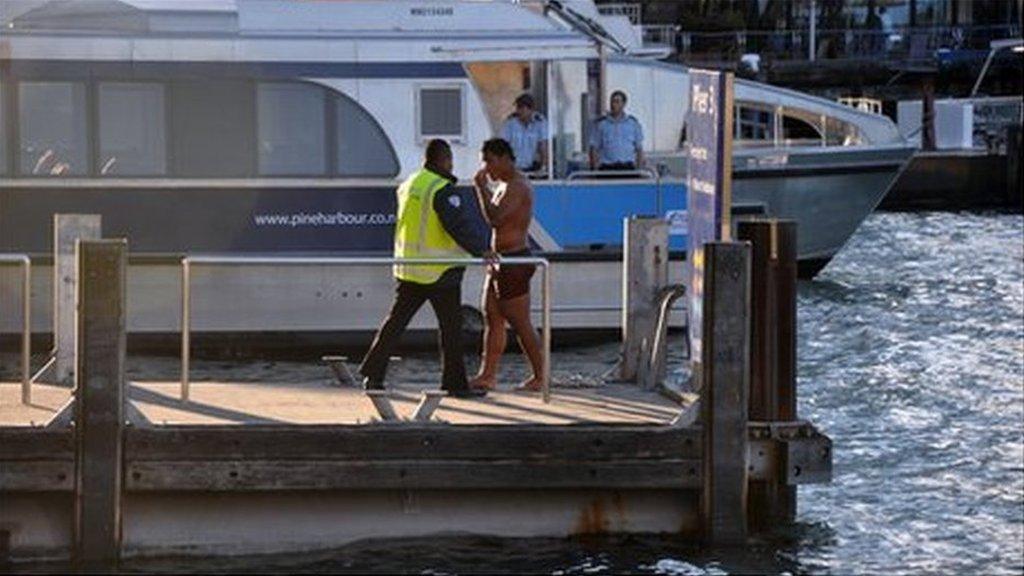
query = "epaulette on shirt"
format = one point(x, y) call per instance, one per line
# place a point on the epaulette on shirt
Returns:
point(536, 116)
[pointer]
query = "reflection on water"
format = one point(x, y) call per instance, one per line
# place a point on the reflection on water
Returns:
point(911, 357)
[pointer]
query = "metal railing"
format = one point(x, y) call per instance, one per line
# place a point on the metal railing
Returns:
point(862, 103)
point(900, 43)
point(186, 293)
point(26, 321)
point(645, 173)
point(660, 35)
point(631, 10)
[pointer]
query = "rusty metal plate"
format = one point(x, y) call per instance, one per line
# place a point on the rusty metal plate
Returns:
point(807, 460)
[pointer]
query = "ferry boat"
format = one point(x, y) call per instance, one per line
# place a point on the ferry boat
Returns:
point(281, 127)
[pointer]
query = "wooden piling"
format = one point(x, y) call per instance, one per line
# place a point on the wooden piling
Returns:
point(773, 355)
point(725, 359)
point(644, 274)
point(99, 402)
point(928, 112)
point(67, 230)
point(1014, 187)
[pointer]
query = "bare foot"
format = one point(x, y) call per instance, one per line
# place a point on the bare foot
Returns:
point(482, 382)
point(534, 384)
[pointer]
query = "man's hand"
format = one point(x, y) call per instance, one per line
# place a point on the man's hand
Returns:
point(492, 258)
point(480, 179)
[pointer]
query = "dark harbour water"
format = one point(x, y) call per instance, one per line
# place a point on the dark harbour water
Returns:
point(911, 357)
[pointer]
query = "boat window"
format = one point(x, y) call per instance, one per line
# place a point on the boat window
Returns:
point(796, 130)
point(132, 130)
point(52, 122)
point(840, 133)
point(213, 132)
point(440, 112)
point(498, 84)
point(363, 149)
point(753, 124)
point(291, 129)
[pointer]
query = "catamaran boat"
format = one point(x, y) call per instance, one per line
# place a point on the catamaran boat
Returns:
point(281, 127)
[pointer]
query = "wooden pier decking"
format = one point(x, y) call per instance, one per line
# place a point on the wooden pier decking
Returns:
point(241, 403)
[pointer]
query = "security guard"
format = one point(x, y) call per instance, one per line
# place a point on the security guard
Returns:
point(617, 139)
point(434, 220)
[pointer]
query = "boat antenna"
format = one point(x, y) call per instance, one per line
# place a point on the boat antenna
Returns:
point(583, 24)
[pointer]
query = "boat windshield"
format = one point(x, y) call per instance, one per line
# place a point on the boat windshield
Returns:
point(761, 125)
point(560, 92)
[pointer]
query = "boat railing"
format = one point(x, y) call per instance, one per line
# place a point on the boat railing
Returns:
point(645, 173)
point(631, 10)
point(25, 263)
point(896, 43)
point(188, 262)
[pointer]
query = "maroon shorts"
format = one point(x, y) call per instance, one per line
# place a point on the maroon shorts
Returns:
point(511, 280)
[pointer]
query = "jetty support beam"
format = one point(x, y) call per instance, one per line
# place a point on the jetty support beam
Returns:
point(99, 402)
point(773, 355)
point(725, 358)
point(67, 230)
point(644, 274)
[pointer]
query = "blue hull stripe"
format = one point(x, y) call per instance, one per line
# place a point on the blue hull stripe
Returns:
point(581, 215)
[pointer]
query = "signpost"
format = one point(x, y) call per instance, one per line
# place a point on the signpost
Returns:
point(709, 125)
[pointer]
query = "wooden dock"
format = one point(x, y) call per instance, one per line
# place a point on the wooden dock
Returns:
point(118, 468)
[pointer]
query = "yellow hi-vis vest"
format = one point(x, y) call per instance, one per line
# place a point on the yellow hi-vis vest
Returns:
point(418, 229)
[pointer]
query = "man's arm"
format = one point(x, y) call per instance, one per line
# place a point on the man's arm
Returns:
point(542, 146)
point(542, 155)
point(639, 145)
point(595, 143)
point(462, 220)
point(497, 207)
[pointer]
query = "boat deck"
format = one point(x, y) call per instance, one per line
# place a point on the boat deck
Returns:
point(243, 403)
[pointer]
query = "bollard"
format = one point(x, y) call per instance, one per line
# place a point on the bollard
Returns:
point(67, 229)
point(773, 353)
point(725, 360)
point(99, 403)
point(644, 274)
point(928, 113)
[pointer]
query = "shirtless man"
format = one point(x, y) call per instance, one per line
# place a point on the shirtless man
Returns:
point(509, 209)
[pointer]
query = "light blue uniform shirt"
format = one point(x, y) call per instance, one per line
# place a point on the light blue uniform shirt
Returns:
point(524, 138)
point(617, 140)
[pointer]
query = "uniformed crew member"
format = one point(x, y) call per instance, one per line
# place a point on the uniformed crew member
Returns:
point(434, 220)
point(617, 139)
point(527, 131)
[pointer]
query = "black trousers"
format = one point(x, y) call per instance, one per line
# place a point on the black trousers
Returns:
point(445, 297)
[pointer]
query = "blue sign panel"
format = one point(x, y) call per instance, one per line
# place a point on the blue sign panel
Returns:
point(709, 171)
point(193, 218)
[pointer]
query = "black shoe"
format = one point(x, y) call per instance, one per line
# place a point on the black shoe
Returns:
point(467, 393)
point(371, 384)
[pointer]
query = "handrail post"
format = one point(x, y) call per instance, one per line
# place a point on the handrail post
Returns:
point(546, 332)
point(25, 263)
point(186, 325)
point(26, 331)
